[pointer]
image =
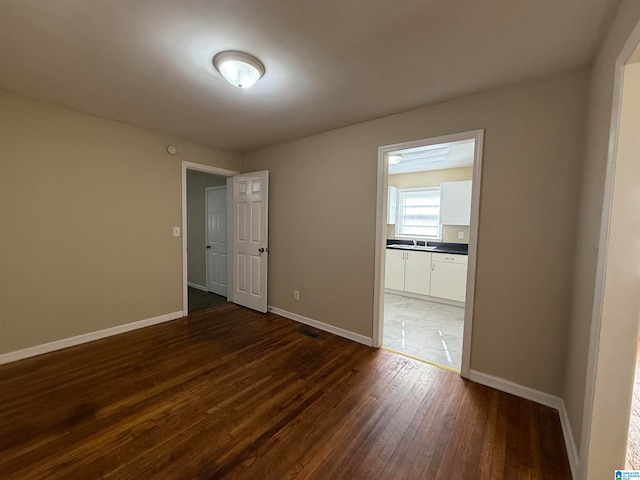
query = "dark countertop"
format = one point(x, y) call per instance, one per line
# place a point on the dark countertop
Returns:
point(436, 247)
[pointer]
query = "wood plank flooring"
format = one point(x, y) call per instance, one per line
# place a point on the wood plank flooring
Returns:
point(199, 299)
point(231, 393)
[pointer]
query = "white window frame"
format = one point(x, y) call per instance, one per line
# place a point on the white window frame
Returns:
point(400, 210)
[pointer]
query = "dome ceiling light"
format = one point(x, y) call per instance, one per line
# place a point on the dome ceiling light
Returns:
point(238, 68)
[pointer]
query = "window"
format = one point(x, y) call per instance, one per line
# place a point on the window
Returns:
point(419, 212)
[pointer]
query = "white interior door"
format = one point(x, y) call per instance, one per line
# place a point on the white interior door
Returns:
point(217, 240)
point(250, 230)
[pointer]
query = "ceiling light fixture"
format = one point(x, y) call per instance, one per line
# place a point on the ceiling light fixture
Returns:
point(394, 159)
point(238, 68)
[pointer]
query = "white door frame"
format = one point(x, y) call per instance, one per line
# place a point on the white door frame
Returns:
point(381, 234)
point(223, 172)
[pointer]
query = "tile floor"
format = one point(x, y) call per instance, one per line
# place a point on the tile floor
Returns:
point(633, 441)
point(428, 330)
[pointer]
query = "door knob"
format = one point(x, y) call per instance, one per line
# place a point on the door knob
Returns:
point(261, 250)
point(208, 246)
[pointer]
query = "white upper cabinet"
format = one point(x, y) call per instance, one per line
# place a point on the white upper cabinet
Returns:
point(392, 205)
point(455, 203)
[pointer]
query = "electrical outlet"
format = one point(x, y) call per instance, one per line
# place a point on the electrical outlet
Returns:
point(296, 294)
point(461, 235)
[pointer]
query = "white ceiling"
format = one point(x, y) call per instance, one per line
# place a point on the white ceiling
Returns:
point(433, 157)
point(329, 63)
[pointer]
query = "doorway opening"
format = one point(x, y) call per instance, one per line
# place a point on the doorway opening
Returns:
point(247, 222)
point(206, 239)
point(628, 148)
point(428, 195)
point(205, 233)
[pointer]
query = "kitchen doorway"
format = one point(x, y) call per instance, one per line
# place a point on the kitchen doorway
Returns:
point(428, 193)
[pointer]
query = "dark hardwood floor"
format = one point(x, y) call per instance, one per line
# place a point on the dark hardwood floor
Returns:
point(199, 299)
point(230, 393)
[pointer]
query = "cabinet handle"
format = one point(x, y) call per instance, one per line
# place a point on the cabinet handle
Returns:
point(433, 267)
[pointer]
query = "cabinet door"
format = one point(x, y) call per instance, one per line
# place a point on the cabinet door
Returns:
point(394, 269)
point(455, 203)
point(449, 280)
point(417, 273)
point(392, 205)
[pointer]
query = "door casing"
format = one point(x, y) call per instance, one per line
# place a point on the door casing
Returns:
point(381, 234)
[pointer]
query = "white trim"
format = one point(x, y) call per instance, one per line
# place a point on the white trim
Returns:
point(200, 168)
point(596, 313)
point(85, 338)
point(476, 185)
point(196, 286)
point(516, 389)
point(381, 234)
point(569, 442)
point(356, 337)
point(539, 397)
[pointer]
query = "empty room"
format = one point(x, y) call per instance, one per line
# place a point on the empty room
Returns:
point(202, 203)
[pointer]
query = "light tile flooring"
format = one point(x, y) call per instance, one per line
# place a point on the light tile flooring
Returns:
point(633, 441)
point(428, 330)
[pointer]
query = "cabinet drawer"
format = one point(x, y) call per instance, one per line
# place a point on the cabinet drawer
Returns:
point(450, 258)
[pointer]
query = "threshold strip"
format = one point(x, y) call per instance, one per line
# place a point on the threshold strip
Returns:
point(413, 357)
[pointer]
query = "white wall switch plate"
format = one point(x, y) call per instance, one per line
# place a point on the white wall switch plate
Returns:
point(176, 231)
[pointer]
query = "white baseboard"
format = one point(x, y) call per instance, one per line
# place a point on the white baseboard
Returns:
point(538, 397)
point(570, 444)
point(356, 337)
point(198, 287)
point(85, 338)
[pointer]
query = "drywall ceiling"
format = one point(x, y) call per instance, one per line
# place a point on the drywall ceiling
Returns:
point(329, 63)
point(433, 157)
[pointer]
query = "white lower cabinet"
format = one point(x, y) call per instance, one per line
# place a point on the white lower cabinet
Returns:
point(416, 273)
point(440, 275)
point(394, 269)
point(449, 276)
point(407, 271)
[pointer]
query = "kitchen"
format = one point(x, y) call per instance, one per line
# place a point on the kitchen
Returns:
point(426, 256)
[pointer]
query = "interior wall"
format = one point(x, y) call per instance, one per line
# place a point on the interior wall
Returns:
point(621, 303)
point(87, 208)
point(433, 178)
point(323, 217)
point(197, 183)
point(592, 181)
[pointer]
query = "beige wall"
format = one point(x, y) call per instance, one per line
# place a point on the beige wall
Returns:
point(322, 220)
point(197, 183)
point(617, 330)
point(87, 207)
point(433, 178)
point(621, 303)
point(586, 248)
